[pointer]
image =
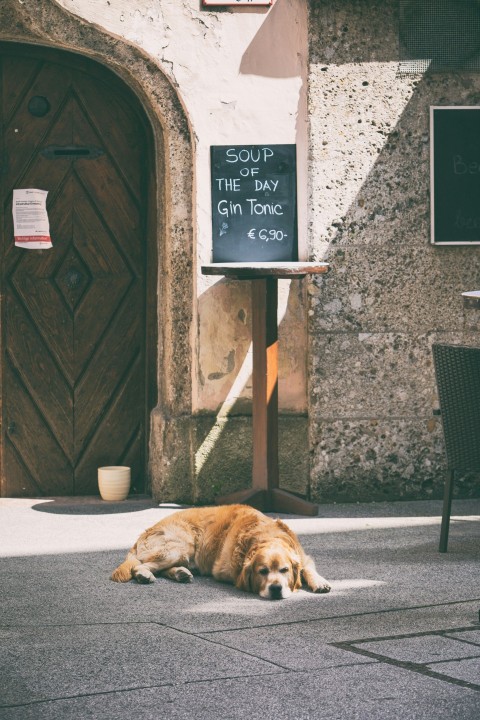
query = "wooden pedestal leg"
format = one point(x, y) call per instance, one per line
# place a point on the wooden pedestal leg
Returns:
point(265, 493)
point(265, 383)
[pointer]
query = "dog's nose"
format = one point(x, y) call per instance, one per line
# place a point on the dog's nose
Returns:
point(275, 591)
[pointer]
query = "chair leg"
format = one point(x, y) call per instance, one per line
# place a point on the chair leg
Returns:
point(447, 507)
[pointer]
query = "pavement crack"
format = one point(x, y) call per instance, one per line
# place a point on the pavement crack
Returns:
point(198, 681)
point(345, 616)
point(76, 696)
point(419, 668)
point(405, 636)
point(229, 647)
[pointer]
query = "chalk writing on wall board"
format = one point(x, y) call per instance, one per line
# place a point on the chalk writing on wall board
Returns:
point(254, 209)
point(455, 175)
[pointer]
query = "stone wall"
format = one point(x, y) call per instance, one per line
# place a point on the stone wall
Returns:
point(375, 432)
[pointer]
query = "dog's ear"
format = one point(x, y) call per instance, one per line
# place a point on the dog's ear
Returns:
point(293, 540)
point(244, 580)
point(297, 572)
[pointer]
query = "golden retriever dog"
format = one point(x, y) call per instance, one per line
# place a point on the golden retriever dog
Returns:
point(233, 543)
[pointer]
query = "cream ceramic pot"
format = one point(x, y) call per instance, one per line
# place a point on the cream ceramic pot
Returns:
point(114, 482)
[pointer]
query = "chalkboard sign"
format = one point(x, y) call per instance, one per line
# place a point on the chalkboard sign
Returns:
point(455, 175)
point(254, 203)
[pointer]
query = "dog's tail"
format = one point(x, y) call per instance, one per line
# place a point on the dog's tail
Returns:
point(124, 572)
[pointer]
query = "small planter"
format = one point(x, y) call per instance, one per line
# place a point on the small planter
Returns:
point(114, 482)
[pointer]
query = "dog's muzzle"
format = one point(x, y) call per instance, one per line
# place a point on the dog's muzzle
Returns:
point(276, 592)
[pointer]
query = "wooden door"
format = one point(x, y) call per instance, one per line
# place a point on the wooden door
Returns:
point(73, 317)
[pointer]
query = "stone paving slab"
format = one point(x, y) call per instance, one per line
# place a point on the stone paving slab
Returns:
point(62, 661)
point(290, 647)
point(362, 692)
point(466, 670)
point(307, 641)
point(433, 654)
point(470, 636)
point(423, 649)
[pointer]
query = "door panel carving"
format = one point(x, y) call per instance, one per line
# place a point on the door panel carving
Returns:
point(73, 317)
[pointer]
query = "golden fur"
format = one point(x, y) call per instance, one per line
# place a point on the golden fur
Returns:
point(233, 543)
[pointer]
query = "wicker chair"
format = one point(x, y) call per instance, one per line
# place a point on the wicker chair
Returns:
point(457, 370)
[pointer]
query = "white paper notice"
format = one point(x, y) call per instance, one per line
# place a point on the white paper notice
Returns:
point(30, 220)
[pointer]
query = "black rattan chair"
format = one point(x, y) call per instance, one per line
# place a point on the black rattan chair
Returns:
point(457, 369)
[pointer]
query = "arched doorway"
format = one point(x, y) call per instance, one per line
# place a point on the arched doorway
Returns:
point(78, 320)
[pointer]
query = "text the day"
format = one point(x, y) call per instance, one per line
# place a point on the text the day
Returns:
point(253, 202)
point(233, 184)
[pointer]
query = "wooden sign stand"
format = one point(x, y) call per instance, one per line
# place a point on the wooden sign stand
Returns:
point(265, 493)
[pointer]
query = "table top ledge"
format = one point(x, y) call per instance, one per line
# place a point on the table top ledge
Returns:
point(252, 270)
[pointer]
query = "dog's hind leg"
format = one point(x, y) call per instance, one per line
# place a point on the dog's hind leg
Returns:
point(179, 574)
point(159, 551)
point(169, 559)
point(132, 567)
point(145, 572)
point(125, 571)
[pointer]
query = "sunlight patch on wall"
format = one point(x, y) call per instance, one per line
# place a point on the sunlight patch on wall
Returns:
point(354, 109)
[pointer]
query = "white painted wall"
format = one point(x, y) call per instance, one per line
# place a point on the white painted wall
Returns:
point(241, 74)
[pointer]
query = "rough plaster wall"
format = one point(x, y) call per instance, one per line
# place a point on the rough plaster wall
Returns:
point(374, 432)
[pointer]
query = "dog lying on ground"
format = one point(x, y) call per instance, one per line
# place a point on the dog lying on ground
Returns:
point(233, 543)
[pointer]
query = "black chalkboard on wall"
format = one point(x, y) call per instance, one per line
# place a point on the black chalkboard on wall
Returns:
point(254, 203)
point(455, 175)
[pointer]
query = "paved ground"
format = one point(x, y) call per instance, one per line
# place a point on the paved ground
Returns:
point(398, 636)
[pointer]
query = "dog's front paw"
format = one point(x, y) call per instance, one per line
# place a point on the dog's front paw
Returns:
point(323, 588)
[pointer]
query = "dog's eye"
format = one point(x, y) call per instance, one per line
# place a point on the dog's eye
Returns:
point(263, 571)
point(284, 569)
